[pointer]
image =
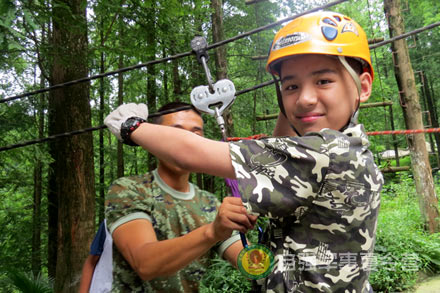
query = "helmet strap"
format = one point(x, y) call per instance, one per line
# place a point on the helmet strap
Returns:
point(280, 102)
point(352, 73)
point(279, 97)
point(357, 81)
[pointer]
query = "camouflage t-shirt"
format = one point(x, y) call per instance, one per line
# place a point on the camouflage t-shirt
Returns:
point(321, 193)
point(172, 214)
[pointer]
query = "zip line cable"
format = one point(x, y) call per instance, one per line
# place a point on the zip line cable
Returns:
point(162, 60)
point(85, 130)
point(405, 35)
point(215, 45)
point(372, 47)
point(81, 131)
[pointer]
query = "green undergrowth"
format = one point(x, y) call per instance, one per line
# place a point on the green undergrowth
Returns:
point(403, 249)
point(15, 282)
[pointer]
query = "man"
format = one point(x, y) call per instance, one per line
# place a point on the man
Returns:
point(164, 227)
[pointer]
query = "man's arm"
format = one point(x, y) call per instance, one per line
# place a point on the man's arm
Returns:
point(232, 252)
point(87, 272)
point(150, 258)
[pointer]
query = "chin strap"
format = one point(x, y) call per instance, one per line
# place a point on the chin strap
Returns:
point(357, 81)
point(352, 73)
point(280, 103)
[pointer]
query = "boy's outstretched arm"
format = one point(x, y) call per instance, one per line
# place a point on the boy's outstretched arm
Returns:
point(183, 148)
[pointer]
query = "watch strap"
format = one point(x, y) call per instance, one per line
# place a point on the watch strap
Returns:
point(127, 127)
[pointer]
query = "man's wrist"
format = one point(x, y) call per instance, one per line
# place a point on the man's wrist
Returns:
point(210, 233)
point(127, 127)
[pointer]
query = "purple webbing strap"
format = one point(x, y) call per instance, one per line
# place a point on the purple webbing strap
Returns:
point(233, 186)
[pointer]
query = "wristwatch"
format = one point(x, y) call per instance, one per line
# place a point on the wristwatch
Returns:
point(127, 127)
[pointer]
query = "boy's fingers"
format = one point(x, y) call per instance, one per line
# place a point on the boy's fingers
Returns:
point(253, 219)
point(241, 220)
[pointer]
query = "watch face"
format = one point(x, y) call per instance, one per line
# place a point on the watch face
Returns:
point(128, 127)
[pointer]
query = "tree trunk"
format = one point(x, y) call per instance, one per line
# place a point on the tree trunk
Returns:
point(38, 180)
point(177, 82)
point(220, 55)
point(428, 201)
point(165, 79)
point(151, 71)
point(52, 202)
point(434, 118)
point(120, 156)
point(218, 35)
point(120, 147)
point(101, 199)
point(73, 156)
point(259, 73)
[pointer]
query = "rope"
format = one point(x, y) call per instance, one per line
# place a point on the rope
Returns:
point(371, 133)
point(162, 60)
point(81, 131)
point(52, 137)
point(187, 54)
point(405, 35)
point(84, 79)
point(409, 131)
point(256, 136)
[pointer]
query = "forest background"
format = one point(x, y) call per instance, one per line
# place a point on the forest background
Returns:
point(52, 193)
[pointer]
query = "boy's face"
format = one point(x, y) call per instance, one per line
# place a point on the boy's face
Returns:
point(318, 92)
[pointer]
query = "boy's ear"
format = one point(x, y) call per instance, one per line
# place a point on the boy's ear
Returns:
point(366, 85)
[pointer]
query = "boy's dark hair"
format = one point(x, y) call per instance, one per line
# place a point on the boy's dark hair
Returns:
point(355, 63)
point(173, 107)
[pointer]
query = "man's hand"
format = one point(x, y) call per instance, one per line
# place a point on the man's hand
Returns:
point(231, 216)
point(115, 119)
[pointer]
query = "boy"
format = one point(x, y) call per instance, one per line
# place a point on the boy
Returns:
point(321, 188)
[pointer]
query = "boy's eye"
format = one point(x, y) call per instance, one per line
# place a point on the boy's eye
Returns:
point(290, 87)
point(323, 81)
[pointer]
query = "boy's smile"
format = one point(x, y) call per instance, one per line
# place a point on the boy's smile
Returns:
point(318, 92)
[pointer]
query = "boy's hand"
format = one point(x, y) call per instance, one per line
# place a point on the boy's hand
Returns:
point(115, 119)
point(231, 216)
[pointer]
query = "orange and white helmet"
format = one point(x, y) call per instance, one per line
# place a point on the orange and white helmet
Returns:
point(323, 32)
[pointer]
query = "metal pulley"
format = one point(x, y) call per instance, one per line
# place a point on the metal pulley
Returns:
point(199, 45)
point(212, 99)
point(222, 97)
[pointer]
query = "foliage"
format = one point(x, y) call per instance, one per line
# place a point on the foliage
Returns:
point(28, 282)
point(118, 30)
point(402, 247)
point(222, 277)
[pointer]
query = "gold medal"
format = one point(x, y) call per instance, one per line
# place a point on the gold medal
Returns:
point(255, 261)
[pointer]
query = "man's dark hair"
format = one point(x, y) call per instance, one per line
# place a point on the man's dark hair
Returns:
point(173, 107)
